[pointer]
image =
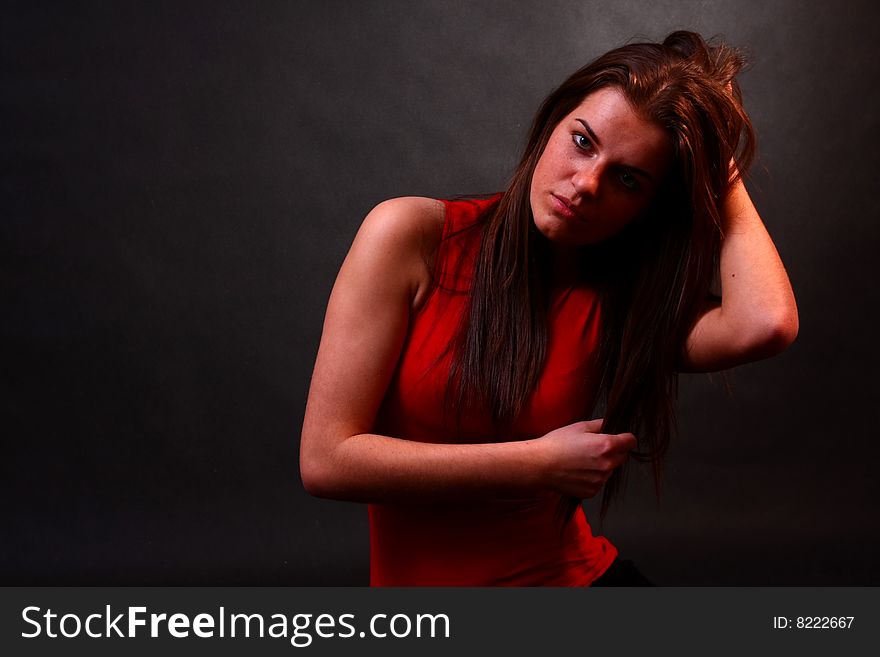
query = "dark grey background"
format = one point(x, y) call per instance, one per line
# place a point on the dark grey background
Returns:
point(182, 180)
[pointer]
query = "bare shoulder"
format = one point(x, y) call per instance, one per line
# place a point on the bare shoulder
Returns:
point(415, 219)
point(407, 230)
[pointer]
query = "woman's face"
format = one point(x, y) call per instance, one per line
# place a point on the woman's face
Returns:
point(601, 168)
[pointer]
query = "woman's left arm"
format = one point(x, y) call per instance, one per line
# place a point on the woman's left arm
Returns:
point(757, 315)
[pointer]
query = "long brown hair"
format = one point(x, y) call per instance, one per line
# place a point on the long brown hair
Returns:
point(650, 297)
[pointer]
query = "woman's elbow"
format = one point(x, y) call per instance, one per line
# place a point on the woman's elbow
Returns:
point(311, 479)
point(777, 333)
point(315, 474)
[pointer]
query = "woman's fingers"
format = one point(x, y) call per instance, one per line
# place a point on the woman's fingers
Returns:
point(627, 442)
point(585, 458)
point(593, 426)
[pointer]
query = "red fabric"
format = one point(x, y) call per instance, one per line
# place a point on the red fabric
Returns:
point(497, 542)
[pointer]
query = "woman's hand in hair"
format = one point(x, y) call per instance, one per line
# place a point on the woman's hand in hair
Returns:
point(579, 459)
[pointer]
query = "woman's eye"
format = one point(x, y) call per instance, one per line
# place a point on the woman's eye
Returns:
point(629, 181)
point(582, 142)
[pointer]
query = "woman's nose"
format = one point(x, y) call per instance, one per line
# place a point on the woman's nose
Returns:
point(586, 179)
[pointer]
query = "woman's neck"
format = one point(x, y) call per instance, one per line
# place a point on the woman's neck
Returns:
point(566, 265)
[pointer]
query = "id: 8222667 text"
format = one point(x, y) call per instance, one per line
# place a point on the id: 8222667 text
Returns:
point(813, 622)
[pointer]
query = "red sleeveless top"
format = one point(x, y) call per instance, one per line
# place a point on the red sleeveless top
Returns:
point(485, 542)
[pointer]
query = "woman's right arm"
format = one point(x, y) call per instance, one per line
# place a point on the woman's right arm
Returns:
point(364, 329)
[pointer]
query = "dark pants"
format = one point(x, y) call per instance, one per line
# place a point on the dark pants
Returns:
point(622, 573)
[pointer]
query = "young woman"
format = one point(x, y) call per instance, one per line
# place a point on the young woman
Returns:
point(467, 342)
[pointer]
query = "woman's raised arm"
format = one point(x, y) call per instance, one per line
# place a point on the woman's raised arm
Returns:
point(757, 315)
point(382, 277)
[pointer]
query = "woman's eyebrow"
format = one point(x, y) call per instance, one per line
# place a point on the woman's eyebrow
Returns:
point(640, 172)
point(636, 170)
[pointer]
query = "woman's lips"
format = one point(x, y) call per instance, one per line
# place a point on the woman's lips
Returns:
point(563, 208)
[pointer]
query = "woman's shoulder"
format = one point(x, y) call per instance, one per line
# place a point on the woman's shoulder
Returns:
point(423, 219)
point(408, 229)
point(414, 223)
point(417, 218)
